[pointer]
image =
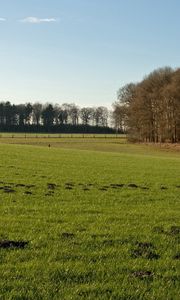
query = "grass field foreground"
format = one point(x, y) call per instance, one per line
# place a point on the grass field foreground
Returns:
point(94, 220)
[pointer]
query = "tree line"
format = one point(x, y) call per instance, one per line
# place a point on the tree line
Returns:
point(53, 118)
point(150, 110)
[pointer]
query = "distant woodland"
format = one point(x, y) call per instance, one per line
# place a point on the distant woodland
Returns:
point(67, 118)
point(150, 110)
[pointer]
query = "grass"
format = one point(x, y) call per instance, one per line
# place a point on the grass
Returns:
point(60, 135)
point(101, 219)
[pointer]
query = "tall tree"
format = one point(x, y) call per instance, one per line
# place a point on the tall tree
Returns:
point(151, 108)
point(48, 115)
point(86, 114)
point(37, 111)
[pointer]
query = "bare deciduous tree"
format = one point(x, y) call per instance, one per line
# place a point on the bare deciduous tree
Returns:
point(150, 110)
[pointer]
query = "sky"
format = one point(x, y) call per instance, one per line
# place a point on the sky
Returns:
point(83, 51)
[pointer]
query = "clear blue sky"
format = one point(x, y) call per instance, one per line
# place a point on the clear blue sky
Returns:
point(82, 51)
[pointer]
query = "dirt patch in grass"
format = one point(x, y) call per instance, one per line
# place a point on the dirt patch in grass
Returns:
point(67, 235)
point(51, 186)
point(143, 187)
point(51, 193)
point(20, 185)
point(69, 184)
point(177, 256)
point(116, 185)
point(144, 250)
point(163, 188)
point(8, 190)
point(28, 193)
point(68, 188)
point(142, 274)
point(133, 185)
point(8, 244)
point(174, 230)
point(28, 186)
point(158, 229)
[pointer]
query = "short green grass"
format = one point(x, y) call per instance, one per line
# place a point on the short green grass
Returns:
point(89, 237)
point(60, 135)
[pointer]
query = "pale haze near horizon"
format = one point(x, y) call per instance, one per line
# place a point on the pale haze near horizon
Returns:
point(83, 51)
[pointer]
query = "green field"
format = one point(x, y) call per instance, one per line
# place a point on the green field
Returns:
point(59, 135)
point(88, 219)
